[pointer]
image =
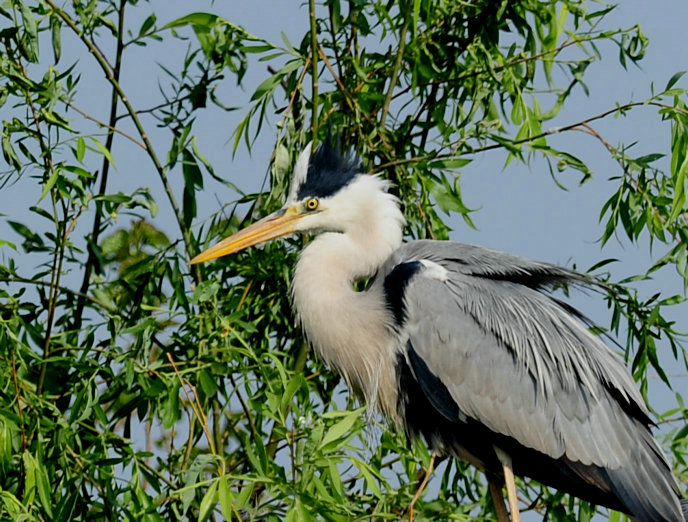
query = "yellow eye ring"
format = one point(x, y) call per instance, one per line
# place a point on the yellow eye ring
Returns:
point(312, 204)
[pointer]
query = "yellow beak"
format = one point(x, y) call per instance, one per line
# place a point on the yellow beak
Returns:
point(277, 224)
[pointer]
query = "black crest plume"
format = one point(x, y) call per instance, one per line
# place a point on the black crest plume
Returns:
point(329, 170)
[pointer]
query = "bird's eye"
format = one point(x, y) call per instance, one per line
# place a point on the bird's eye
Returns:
point(312, 204)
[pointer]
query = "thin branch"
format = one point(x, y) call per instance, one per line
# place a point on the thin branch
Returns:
point(333, 35)
point(314, 68)
point(587, 129)
point(105, 125)
point(195, 406)
point(395, 70)
point(244, 407)
point(188, 447)
point(64, 289)
point(548, 132)
point(353, 103)
point(60, 237)
point(18, 396)
point(347, 95)
point(105, 169)
point(517, 61)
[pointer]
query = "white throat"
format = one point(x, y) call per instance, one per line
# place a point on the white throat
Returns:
point(350, 330)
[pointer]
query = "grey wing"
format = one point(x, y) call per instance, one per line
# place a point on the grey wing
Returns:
point(521, 364)
point(513, 358)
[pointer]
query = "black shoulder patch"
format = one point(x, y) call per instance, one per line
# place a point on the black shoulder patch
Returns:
point(395, 286)
point(433, 388)
point(328, 171)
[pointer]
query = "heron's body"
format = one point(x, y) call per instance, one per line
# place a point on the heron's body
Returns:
point(464, 345)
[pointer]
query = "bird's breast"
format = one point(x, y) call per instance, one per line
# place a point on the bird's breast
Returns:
point(351, 331)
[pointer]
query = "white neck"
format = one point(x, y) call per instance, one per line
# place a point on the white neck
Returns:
point(352, 330)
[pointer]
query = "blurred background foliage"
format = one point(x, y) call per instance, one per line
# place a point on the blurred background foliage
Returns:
point(137, 387)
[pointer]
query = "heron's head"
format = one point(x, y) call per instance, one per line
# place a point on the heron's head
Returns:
point(328, 194)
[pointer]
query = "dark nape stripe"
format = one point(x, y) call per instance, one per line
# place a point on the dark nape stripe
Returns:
point(395, 286)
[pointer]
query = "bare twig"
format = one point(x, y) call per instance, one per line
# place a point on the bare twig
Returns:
point(19, 406)
point(192, 398)
point(64, 289)
point(395, 70)
point(427, 473)
point(588, 129)
point(517, 61)
point(244, 407)
point(105, 169)
point(548, 132)
point(60, 237)
point(314, 68)
point(105, 125)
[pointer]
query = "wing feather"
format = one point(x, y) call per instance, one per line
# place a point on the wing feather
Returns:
point(490, 348)
point(514, 359)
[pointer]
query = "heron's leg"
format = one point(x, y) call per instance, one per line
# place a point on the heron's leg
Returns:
point(424, 482)
point(498, 498)
point(510, 484)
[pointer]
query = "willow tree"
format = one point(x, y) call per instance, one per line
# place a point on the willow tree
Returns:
point(137, 387)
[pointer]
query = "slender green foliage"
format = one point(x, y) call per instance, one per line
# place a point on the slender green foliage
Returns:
point(137, 388)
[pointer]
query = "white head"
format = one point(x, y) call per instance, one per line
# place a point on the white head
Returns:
point(329, 193)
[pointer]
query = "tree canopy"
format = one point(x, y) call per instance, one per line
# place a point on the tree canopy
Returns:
point(139, 387)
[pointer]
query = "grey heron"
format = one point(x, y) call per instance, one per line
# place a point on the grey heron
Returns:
point(464, 345)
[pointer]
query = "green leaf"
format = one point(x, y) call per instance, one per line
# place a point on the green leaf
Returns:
point(448, 196)
point(13, 506)
point(171, 408)
point(56, 36)
point(103, 150)
point(29, 39)
point(298, 512)
point(205, 291)
point(648, 158)
point(32, 240)
point(80, 148)
point(208, 384)
point(416, 12)
point(449, 163)
point(673, 300)
point(243, 496)
point(296, 382)
point(341, 428)
point(366, 471)
point(518, 110)
point(266, 87)
point(8, 150)
point(192, 173)
point(282, 161)
point(675, 78)
point(50, 183)
point(225, 497)
point(197, 154)
point(147, 24)
point(4, 242)
point(208, 502)
point(43, 486)
point(678, 205)
point(193, 179)
point(30, 476)
point(198, 18)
